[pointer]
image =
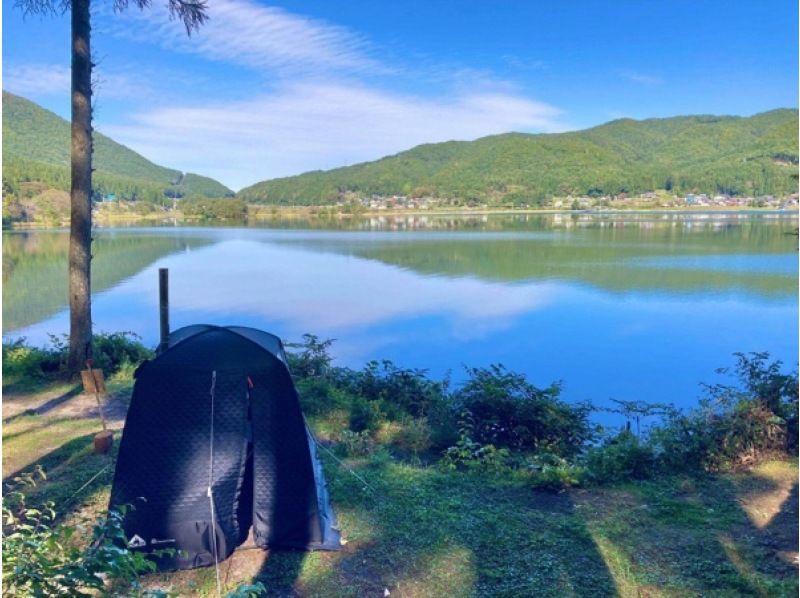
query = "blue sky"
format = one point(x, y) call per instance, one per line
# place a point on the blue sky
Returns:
point(274, 89)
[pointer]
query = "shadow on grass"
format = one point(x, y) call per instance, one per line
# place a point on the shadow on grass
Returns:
point(46, 406)
point(424, 532)
point(281, 571)
point(74, 473)
point(760, 552)
point(782, 531)
point(693, 536)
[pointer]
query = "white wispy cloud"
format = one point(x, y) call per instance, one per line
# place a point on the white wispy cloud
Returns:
point(249, 34)
point(317, 125)
point(39, 79)
point(36, 79)
point(329, 103)
point(641, 78)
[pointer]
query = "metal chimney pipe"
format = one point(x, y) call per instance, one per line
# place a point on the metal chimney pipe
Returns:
point(163, 307)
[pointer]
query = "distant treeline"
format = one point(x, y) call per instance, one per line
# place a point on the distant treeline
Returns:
point(693, 154)
point(17, 172)
point(36, 171)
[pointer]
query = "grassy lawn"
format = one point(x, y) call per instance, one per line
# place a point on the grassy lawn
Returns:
point(420, 531)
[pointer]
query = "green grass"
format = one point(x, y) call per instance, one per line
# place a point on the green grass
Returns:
point(420, 531)
point(64, 448)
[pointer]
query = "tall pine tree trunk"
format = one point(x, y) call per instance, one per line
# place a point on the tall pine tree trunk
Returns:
point(80, 238)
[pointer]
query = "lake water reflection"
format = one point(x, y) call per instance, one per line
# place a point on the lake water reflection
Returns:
point(638, 307)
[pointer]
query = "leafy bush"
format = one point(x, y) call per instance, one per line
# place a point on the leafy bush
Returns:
point(248, 591)
point(414, 436)
point(319, 397)
point(472, 455)
point(356, 444)
point(405, 390)
point(112, 352)
point(735, 424)
point(443, 421)
point(43, 559)
point(762, 390)
point(468, 454)
point(624, 457)
point(552, 472)
point(23, 362)
point(380, 392)
point(214, 209)
point(506, 422)
point(116, 350)
point(365, 416)
point(313, 359)
point(511, 412)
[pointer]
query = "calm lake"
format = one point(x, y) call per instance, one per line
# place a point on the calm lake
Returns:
point(635, 307)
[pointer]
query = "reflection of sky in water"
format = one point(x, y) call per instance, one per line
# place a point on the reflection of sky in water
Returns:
point(634, 346)
point(748, 264)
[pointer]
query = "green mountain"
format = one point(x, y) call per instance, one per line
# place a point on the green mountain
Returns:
point(755, 155)
point(36, 147)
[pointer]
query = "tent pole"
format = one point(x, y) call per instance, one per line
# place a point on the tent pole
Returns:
point(163, 307)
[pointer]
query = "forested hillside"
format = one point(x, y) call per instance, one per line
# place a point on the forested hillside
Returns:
point(36, 146)
point(731, 155)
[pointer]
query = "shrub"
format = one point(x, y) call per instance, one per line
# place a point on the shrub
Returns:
point(414, 436)
point(248, 591)
point(472, 455)
point(403, 390)
point(356, 444)
point(23, 362)
point(114, 352)
point(43, 559)
point(735, 424)
point(552, 472)
point(711, 440)
point(319, 397)
point(762, 389)
point(510, 412)
point(624, 457)
point(468, 454)
point(444, 425)
point(205, 208)
point(313, 359)
point(117, 350)
point(365, 416)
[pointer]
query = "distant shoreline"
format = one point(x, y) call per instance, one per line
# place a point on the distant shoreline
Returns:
point(487, 211)
point(260, 213)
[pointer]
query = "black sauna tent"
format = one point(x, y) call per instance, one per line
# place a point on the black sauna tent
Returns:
point(218, 410)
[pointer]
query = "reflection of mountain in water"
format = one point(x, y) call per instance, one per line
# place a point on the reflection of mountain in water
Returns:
point(613, 255)
point(35, 268)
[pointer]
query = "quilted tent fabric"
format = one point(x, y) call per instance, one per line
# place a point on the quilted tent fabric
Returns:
point(218, 410)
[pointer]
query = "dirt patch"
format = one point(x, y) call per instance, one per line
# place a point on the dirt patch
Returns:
point(66, 403)
point(115, 408)
point(16, 404)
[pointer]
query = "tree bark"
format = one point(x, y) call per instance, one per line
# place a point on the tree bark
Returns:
point(80, 238)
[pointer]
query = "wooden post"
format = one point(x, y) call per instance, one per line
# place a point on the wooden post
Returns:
point(93, 382)
point(163, 307)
